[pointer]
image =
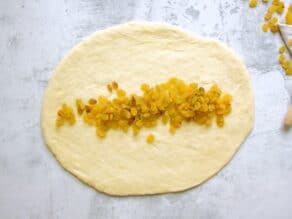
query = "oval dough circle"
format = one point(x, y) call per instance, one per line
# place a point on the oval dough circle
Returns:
point(136, 53)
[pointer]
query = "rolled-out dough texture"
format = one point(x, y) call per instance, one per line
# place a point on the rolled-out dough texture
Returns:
point(136, 53)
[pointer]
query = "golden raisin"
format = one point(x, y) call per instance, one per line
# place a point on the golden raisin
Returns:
point(265, 27)
point(268, 16)
point(272, 9)
point(274, 20)
point(134, 111)
point(121, 93)
point(288, 18)
point(80, 106)
point(145, 87)
point(92, 101)
point(289, 71)
point(280, 7)
point(109, 87)
point(220, 121)
point(100, 133)
point(115, 85)
point(253, 3)
point(172, 129)
point(87, 108)
point(282, 58)
point(165, 119)
point(274, 28)
point(282, 49)
point(150, 139)
point(61, 113)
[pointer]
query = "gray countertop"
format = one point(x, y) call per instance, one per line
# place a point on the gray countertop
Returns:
point(34, 37)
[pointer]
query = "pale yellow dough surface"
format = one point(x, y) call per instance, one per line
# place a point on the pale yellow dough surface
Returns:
point(132, 54)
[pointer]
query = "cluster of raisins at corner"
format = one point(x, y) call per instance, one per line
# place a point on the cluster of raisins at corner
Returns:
point(274, 11)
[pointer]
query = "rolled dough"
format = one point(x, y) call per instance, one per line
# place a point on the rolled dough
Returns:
point(131, 54)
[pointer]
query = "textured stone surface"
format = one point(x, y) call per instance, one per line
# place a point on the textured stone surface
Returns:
point(36, 34)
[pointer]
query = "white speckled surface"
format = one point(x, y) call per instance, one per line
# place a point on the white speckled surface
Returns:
point(35, 35)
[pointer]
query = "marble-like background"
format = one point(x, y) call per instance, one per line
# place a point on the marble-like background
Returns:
point(36, 34)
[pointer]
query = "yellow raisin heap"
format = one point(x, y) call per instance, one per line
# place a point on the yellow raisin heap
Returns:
point(173, 103)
